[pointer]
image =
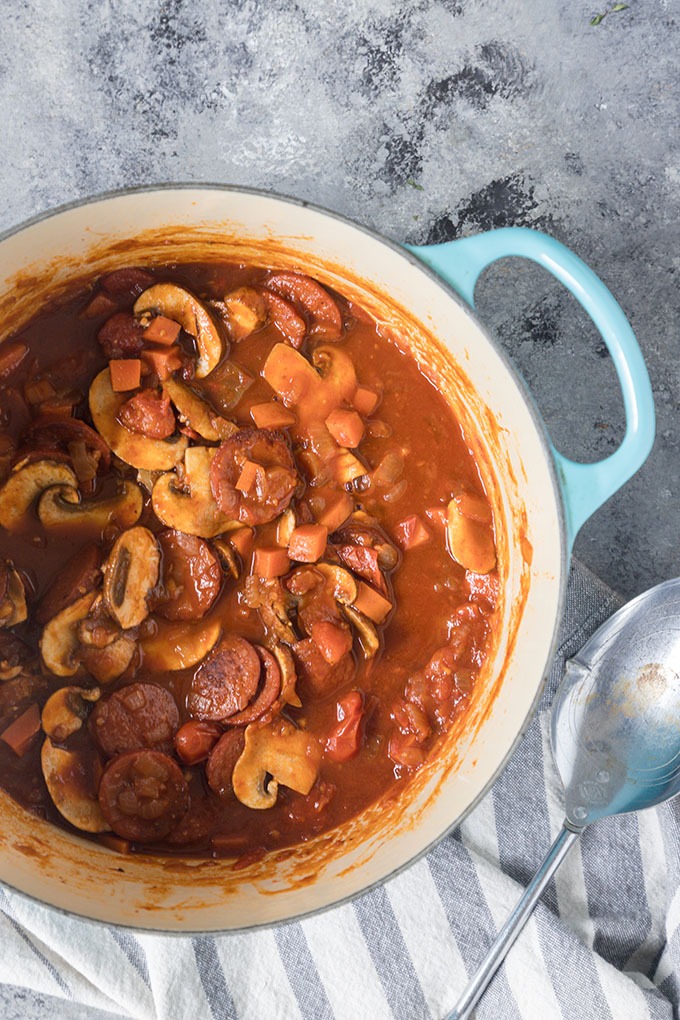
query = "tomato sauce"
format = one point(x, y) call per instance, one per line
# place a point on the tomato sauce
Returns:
point(228, 638)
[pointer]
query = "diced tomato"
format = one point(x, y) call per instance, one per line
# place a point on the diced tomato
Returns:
point(270, 562)
point(162, 331)
point(344, 741)
point(365, 400)
point(195, 740)
point(19, 734)
point(346, 427)
point(437, 515)
point(332, 640)
point(126, 374)
point(371, 603)
point(411, 532)
point(308, 543)
point(163, 361)
point(272, 415)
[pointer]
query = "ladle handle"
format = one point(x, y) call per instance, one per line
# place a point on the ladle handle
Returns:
point(514, 924)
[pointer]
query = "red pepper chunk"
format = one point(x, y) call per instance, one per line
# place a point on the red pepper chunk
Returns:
point(344, 741)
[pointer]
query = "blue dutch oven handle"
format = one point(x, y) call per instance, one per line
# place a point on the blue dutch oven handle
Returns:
point(585, 487)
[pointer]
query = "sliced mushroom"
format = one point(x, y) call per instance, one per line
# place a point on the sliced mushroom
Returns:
point(368, 635)
point(12, 596)
point(289, 756)
point(59, 641)
point(132, 447)
point(470, 540)
point(195, 511)
point(246, 311)
point(178, 304)
point(342, 584)
point(24, 484)
point(62, 505)
point(289, 695)
point(285, 526)
point(177, 644)
point(130, 576)
point(72, 779)
point(228, 557)
point(336, 368)
point(273, 603)
point(196, 413)
point(65, 711)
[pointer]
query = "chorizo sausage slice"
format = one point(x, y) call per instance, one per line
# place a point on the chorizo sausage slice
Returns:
point(53, 430)
point(266, 456)
point(143, 795)
point(77, 577)
point(269, 690)
point(127, 282)
point(226, 681)
point(325, 320)
point(134, 717)
point(149, 414)
point(192, 576)
point(121, 336)
point(283, 315)
point(222, 760)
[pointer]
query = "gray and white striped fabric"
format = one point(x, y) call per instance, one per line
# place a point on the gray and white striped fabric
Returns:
point(604, 942)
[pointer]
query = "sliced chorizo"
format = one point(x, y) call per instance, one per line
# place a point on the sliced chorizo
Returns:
point(313, 300)
point(264, 456)
point(192, 576)
point(148, 413)
point(226, 681)
point(268, 692)
point(134, 717)
point(223, 757)
point(127, 282)
point(81, 574)
point(121, 336)
point(283, 315)
point(54, 431)
point(317, 676)
point(143, 795)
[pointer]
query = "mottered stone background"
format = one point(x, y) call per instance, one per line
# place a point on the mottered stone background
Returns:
point(425, 120)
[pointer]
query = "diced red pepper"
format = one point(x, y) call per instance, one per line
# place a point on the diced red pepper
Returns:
point(339, 506)
point(333, 641)
point(20, 733)
point(371, 603)
point(247, 480)
point(195, 740)
point(163, 361)
point(344, 741)
point(242, 540)
point(346, 427)
point(411, 532)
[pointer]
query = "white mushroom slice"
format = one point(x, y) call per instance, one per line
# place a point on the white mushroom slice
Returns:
point(179, 305)
point(72, 784)
point(130, 575)
point(195, 511)
point(132, 447)
point(288, 695)
point(178, 645)
point(13, 604)
point(368, 635)
point(246, 312)
point(341, 583)
point(285, 526)
point(470, 541)
point(24, 484)
point(59, 640)
point(196, 413)
point(65, 711)
point(62, 505)
point(289, 756)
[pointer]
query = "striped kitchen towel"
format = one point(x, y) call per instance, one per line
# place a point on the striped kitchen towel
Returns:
point(603, 943)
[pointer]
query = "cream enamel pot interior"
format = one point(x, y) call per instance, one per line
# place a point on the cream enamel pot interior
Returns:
point(539, 501)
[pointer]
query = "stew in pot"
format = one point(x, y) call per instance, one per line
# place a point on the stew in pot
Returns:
point(247, 565)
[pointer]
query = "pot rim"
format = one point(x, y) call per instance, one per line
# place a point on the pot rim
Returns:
point(564, 558)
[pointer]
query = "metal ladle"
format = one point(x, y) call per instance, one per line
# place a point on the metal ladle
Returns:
point(615, 736)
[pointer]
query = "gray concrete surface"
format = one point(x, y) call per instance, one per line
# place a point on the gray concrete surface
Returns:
point(426, 119)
